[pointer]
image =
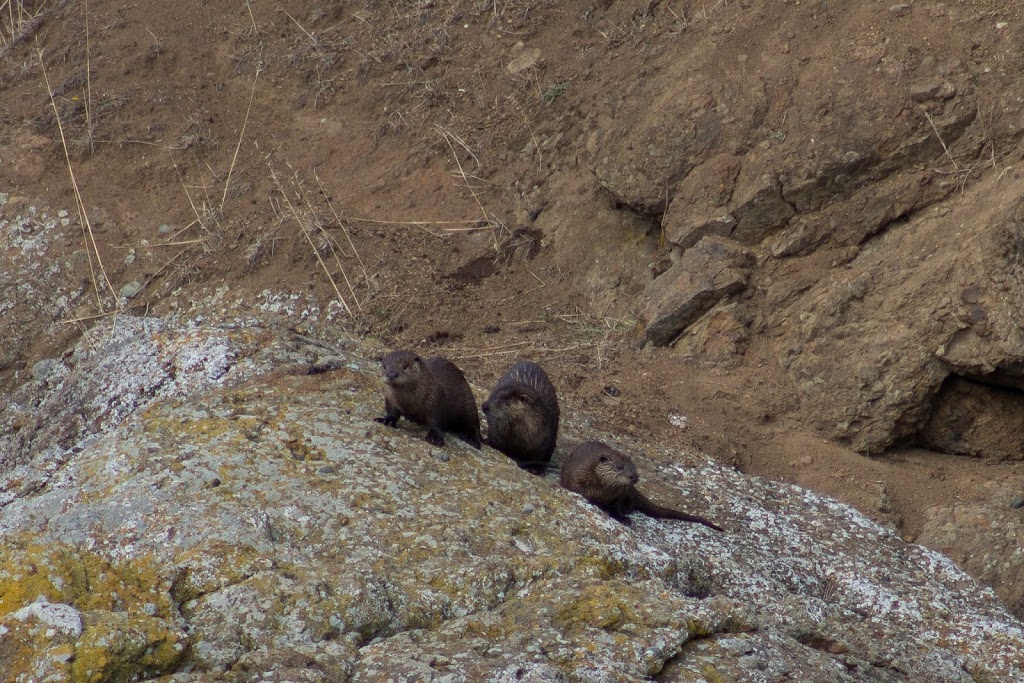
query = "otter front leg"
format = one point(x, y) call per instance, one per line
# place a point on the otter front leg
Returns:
point(434, 437)
point(618, 510)
point(391, 414)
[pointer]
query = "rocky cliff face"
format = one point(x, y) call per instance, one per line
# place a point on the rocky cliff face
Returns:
point(864, 172)
point(210, 512)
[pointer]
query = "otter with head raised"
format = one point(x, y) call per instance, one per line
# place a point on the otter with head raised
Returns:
point(522, 416)
point(431, 392)
point(607, 478)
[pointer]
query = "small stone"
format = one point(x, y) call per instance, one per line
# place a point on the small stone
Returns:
point(328, 469)
point(654, 660)
point(925, 91)
point(1017, 503)
point(439, 455)
point(900, 9)
point(44, 368)
point(528, 508)
point(131, 289)
point(748, 662)
point(164, 229)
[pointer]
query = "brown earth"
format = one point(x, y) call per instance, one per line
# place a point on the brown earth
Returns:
point(494, 180)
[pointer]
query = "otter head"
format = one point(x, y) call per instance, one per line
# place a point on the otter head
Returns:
point(510, 403)
point(616, 469)
point(400, 367)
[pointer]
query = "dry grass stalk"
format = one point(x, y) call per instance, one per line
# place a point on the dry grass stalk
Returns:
point(251, 17)
point(17, 22)
point(962, 174)
point(335, 247)
point(341, 224)
point(305, 233)
point(83, 217)
point(241, 134)
point(88, 84)
point(448, 137)
point(199, 217)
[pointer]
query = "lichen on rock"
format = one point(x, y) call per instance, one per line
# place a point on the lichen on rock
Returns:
point(268, 529)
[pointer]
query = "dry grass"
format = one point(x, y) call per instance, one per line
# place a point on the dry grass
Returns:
point(317, 56)
point(92, 249)
point(301, 210)
point(19, 19)
point(498, 229)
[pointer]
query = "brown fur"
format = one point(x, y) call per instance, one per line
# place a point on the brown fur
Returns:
point(607, 478)
point(431, 392)
point(522, 416)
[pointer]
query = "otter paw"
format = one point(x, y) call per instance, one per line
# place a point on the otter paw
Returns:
point(434, 437)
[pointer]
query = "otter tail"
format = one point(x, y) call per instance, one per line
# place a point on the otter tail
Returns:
point(646, 506)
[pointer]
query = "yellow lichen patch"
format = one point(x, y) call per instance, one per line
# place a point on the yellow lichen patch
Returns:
point(198, 430)
point(64, 574)
point(300, 448)
point(608, 605)
point(215, 565)
point(28, 649)
point(116, 646)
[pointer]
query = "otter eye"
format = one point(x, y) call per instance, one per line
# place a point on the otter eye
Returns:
point(603, 458)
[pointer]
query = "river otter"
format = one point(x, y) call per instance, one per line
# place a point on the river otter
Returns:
point(431, 392)
point(607, 478)
point(522, 416)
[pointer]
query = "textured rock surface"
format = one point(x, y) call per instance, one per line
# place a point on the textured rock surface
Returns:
point(262, 527)
point(986, 539)
point(713, 269)
point(875, 340)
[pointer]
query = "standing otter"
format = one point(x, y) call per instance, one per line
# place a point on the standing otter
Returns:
point(522, 416)
point(607, 478)
point(431, 392)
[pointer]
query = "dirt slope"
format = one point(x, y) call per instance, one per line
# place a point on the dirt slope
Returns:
point(503, 179)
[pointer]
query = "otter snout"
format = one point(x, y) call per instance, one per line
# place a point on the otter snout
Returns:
point(486, 407)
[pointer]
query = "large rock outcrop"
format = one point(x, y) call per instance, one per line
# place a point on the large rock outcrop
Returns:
point(885, 225)
point(260, 526)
